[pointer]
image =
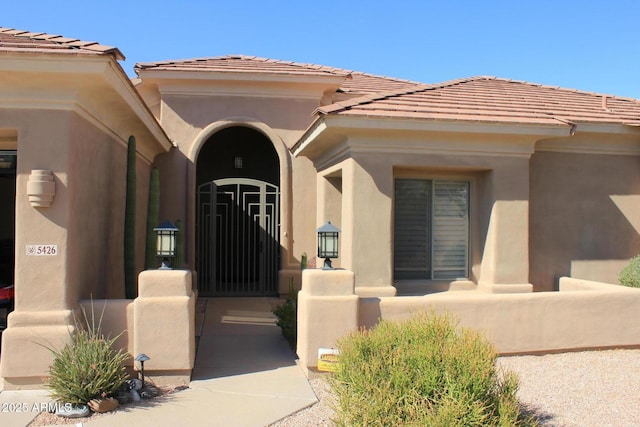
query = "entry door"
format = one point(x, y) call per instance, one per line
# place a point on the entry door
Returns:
point(238, 237)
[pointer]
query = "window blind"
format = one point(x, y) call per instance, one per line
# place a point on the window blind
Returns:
point(412, 229)
point(431, 229)
point(450, 229)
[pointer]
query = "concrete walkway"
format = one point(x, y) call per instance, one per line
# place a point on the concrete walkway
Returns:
point(245, 375)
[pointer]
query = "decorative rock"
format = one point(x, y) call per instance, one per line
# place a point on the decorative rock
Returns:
point(103, 405)
point(73, 411)
point(134, 384)
point(123, 396)
point(149, 391)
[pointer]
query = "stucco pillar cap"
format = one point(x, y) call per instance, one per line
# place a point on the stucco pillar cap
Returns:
point(318, 282)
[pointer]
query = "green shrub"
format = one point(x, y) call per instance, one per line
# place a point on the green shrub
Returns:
point(287, 316)
point(630, 275)
point(425, 371)
point(87, 367)
point(286, 319)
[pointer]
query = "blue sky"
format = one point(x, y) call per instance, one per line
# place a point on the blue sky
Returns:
point(589, 45)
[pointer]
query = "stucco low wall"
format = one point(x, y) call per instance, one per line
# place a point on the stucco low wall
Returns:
point(582, 315)
point(164, 325)
point(159, 323)
point(163, 313)
point(116, 320)
point(327, 310)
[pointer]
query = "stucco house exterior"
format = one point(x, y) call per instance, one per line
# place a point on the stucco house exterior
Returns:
point(479, 183)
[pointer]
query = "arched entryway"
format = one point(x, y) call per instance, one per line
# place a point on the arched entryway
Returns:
point(238, 214)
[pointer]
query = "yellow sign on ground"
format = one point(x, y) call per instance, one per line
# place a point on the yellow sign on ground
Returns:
point(328, 359)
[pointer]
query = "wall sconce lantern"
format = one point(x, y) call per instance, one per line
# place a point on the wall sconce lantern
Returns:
point(237, 162)
point(166, 243)
point(41, 188)
point(328, 244)
point(142, 358)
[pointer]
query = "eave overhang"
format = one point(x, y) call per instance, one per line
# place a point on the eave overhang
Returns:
point(328, 131)
point(94, 86)
point(253, 84)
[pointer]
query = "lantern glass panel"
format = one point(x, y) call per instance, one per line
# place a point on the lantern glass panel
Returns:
point(166, 243)
point(327, 245)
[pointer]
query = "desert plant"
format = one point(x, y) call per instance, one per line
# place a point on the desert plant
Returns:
point(426, 371)
point(153, 213)
point(87, 367)
point(130, 288)
point(179, 262)
point(630, 275)
point(286, 316)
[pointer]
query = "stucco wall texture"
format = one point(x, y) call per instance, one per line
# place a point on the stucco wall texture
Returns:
point(192, 121)
point(581, 211)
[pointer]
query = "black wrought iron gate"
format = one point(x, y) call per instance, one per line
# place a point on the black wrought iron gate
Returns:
point(238, 237)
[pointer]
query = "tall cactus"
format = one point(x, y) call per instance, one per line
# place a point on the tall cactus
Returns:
point(179, 245)
point(130, 288)
point(153, 214)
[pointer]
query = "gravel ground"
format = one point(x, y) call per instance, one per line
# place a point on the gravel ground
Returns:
point(593, 388)
point(319, 415)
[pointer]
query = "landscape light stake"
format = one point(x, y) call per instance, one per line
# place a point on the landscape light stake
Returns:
point(142, 358)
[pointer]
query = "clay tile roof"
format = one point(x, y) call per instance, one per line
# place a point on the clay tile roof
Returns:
point(491, 99)
point(364, 83)
point(355, 82)
point(241, 64)
point(12, 40)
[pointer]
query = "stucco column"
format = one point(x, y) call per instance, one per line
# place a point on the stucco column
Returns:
point(505, 259)
point(366, 231)
point(329, 208)
point(43, 315)
point(164, 324)
point(44, 293)
point(327, 311)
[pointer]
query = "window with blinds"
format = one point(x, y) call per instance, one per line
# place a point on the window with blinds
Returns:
point(431, 229)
